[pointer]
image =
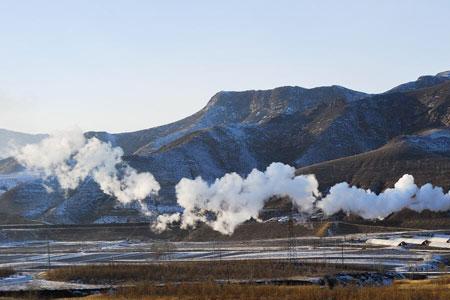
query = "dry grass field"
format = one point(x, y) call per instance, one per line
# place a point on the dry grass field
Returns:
point(191, 271)
point(196, 280)
point(417, 290)
point(5, 272)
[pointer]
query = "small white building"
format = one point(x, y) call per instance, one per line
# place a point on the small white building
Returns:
point(415, 241)
point(439, 239)
point(383, 242)
point(439, 245)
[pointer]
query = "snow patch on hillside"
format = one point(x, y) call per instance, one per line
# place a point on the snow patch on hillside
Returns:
point(9, 181)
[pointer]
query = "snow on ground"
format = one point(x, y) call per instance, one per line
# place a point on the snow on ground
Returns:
point(28, 282)
point(71, 253)
point(32, 256)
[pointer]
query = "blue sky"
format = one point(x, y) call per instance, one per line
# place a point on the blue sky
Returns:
point(128, 65)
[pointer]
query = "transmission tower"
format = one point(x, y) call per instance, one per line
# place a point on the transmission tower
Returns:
point(292, 254)
point(49, 265)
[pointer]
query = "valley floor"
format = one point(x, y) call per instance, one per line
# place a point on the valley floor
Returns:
point(163, 269)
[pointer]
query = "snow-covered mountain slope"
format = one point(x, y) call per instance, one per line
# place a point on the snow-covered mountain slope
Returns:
point(231, 108)
point(10, 165)
point(238, 131)
point(425, 155)
point(422, 82)
point(11, 180)
point(329, 131)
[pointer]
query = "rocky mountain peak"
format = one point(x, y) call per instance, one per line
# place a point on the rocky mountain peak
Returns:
point(445, 74)
point(422, 82)
point(342, 132)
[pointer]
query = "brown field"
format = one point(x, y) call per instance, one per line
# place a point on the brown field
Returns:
point(192, 271)
point(427, 290)
point(5, 272)
point(196, 280)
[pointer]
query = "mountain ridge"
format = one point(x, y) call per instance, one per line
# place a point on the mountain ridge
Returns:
point(312, 129)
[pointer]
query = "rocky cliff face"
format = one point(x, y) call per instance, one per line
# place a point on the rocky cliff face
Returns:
point(238, 131)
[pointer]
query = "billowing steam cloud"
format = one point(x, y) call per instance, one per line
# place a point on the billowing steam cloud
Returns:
point(232, 200)
point(164, 220)
point(369, 205)
point(71, 158)
point(227, 202)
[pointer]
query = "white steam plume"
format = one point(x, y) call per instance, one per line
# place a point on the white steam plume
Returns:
point(232, 200)
point(369, 205)
point(431, 198)
point(71, 158)
point(224, 204)
point(164, 220)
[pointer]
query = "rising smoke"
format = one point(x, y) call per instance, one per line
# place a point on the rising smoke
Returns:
point(228, 201)
point(163, 221)
point(365, 203)
point(232, 199)
point(71, 158)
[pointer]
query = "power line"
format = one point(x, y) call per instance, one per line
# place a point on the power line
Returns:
point(292, 255)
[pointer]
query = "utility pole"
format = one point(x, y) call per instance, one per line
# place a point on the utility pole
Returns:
point(48, 253)
point(220, 253)
point(291, 238)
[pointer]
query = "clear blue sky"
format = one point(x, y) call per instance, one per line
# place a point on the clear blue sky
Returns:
point(128, 65)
